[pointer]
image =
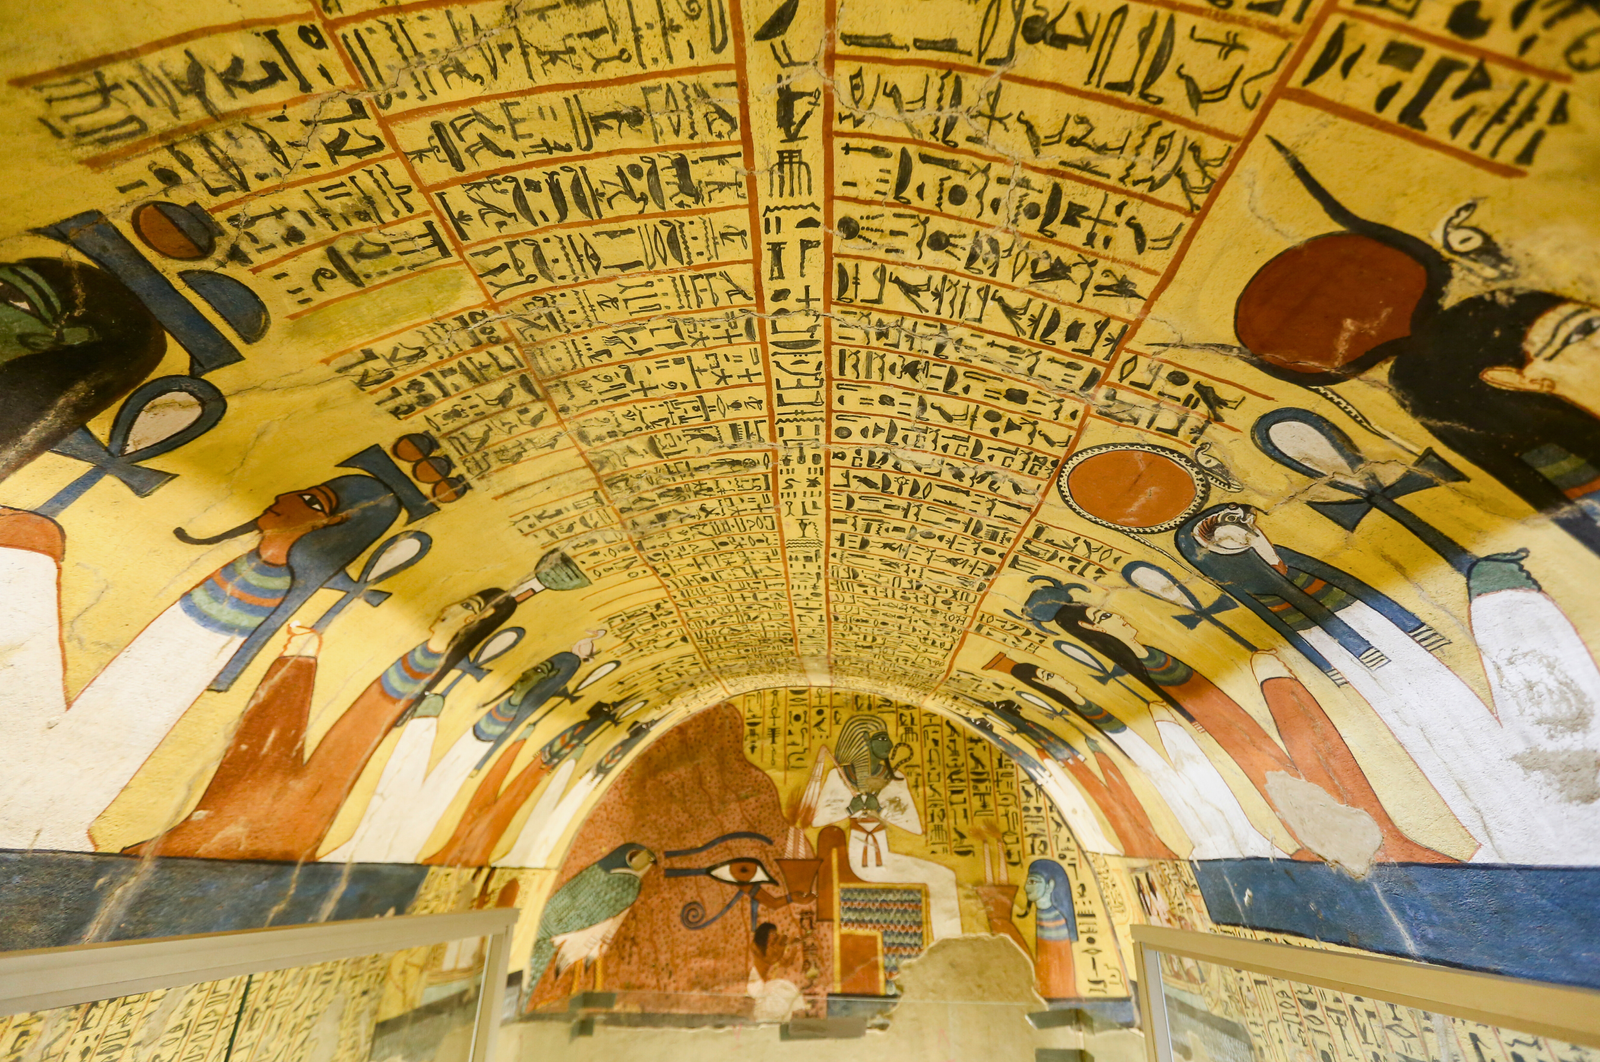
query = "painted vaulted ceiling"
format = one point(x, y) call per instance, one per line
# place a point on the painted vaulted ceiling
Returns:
point(1211, 386)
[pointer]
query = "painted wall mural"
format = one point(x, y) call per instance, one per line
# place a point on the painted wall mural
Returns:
point(818, 842)
point(996, 467)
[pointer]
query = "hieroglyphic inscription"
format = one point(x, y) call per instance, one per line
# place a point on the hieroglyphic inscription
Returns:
point(782, 323)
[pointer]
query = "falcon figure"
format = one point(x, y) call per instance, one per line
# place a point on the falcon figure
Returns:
point(585, 913)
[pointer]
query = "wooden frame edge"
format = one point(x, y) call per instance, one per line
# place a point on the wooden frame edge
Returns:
point(47, 978)
point(1562, 1012)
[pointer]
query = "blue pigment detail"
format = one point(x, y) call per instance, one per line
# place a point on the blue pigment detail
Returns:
point(1541, 923)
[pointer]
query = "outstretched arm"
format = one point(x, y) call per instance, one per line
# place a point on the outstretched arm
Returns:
point(1369, 595)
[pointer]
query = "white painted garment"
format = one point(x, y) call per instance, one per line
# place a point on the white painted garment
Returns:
point(523, 852)
point(871, 858)
point(409, 799)
point(1542, 677)
point(389, 810)
point(1546, 690)
point(541, 849)
point(65, 767)
point(775, 1000)
point(30, 642)
point(895, 803)
point(1460, 747)
point(1074, 807)
point(1193, 788)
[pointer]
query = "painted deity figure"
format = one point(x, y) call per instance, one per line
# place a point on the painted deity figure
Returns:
point(1121, 809)
point(863, 787)
point(1307, 601)
point(1187, 780)
point(1049, 892)
point(411, 796)
point(495, 802)
point(582, 916)
point(1109, 790)
point(863, 753)
point(1336, 786)
point(1111, 797)
point(73, 340)
point(558, 804)
point(1470, 756)
point(68, 765)
point(546, 679)
point(272, 799)
point(1114, 797)
point(1507, 379)
point(1544, 682)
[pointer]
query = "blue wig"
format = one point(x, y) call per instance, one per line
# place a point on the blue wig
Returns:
point(369, 508)
point(368, 505)
point(1060, 892)
point(1043, 604)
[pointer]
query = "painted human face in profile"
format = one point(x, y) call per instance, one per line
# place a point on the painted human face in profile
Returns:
point(1057, 683)
point(1038, 889)
point(301, 510)
point(1562, 352)
point(455, 618)
point(1107, 622)
point(881, 744)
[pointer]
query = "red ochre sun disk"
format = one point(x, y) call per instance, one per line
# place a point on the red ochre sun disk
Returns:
point(1131, 488)
point(1319, 306)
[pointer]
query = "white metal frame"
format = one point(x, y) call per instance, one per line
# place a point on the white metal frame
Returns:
point(1556, 1011)
point(60, 977)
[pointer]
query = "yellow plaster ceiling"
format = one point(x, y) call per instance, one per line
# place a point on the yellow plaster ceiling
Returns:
point(816, 338)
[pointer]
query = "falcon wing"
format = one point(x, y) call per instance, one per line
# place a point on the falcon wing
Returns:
point(592, 896)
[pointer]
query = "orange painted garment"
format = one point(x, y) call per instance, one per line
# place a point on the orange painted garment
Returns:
point(1115, 799)
point(268, 799)
point(1216, 713)
point(490, 810)
point(1054, 976)
point(1319, 750)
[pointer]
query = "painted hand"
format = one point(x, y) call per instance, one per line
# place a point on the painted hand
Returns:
point(1500, 571)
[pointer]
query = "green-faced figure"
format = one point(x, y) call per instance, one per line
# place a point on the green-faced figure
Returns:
point(863, 751)
point(73, 341)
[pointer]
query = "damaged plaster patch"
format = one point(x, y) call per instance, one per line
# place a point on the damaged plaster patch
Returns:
point(1572, 773)
point(1344, 836)
point(970, 969)
point(1538, 683)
